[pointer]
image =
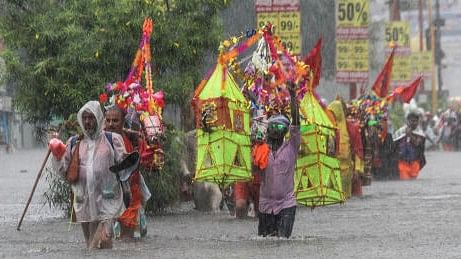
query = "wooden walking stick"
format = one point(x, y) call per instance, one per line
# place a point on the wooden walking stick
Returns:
point(33, 188)
point(39, 175)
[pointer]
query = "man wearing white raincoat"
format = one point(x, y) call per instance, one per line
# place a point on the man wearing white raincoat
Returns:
point(97, 192)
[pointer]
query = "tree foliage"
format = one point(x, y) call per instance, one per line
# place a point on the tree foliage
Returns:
point(61, 53)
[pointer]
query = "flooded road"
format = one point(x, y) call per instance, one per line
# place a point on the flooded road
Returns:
point(418, 219)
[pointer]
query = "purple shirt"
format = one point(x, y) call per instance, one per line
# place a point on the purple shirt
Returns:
point(277, 181)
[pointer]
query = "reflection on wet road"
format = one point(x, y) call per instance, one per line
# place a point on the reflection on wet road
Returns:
point(418, 219)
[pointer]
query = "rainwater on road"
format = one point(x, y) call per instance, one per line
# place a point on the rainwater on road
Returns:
point(394, 219)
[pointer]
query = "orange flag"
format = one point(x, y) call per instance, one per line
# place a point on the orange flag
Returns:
point(381, 85)
point(406, 93)
point(314, 60)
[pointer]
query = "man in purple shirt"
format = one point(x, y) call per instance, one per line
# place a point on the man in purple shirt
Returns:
point(277, 204)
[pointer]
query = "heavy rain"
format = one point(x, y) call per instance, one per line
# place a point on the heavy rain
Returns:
point(230, 129)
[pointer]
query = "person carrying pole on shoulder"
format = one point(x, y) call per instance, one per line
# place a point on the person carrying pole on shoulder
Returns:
point(277, 203)
point(132, 223)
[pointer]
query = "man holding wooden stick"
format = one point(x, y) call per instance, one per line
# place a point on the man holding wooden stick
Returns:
point(97, 195)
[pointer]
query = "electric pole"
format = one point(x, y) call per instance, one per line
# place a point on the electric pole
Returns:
point(439, 54)
point(395, 10)
point(432, 48)
point(420, 25)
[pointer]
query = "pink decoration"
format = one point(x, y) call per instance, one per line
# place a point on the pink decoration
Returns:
point(159, 98)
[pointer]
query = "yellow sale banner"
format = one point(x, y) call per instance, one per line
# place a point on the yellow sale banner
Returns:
point(397, 33)
point(401, 69)
point(352, 41)
point(352, 55)
point(291, 41)
point(421, 63)
point(286, 17)
point(352, 13)
point(289, 22)
point(267, 17)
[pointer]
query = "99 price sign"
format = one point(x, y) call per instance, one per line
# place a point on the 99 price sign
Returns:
point(352, 55)
point(351, 13)
point(284, 21)
point(401, 69)
point(292, 42)
point(289, 22)
point(287, 27)
point(421, 63)
point(264, 18)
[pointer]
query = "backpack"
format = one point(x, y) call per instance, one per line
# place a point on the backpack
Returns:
point(126, 190)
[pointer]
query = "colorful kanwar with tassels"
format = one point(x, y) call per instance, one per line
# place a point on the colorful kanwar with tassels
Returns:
point(143, 107)
point(317, 179)
point(223, 130)
point(141, 104)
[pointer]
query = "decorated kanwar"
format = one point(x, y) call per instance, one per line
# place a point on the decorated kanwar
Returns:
point(223, 130)
point(135, 112)
point(318, 177)
point(344, 154)
point(275, 85)
point(220, 128)
point(274, 82)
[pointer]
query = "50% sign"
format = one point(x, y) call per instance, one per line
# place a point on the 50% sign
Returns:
point(352, 13)
point(397, 33)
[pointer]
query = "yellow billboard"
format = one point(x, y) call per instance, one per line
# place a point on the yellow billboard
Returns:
point(352, 13)
point(397, 33)
point(285, 15)
point(352, 55)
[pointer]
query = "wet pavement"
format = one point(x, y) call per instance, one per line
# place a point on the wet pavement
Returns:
point(394, 219)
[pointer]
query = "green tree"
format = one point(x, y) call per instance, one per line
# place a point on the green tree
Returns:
point(61, 53)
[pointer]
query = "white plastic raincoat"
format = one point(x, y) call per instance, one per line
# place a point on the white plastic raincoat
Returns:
point(97, 193)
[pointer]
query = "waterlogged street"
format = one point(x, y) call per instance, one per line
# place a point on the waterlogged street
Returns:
point(418, 219)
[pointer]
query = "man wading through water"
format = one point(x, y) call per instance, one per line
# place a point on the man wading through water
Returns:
point(277, 204)
point(410, 143)
point(97, 195)
point(133, 221)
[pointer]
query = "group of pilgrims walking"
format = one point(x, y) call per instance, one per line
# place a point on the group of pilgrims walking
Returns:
point(262, 132)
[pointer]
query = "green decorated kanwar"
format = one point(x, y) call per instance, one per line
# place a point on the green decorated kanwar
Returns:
point(317, 176)
point(223, 146)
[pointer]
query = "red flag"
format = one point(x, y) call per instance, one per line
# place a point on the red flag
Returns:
point(314, 60)
point(381, 85)
point(406, 93)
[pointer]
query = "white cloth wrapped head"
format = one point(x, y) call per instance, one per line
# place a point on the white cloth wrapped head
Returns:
point(94, 108)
